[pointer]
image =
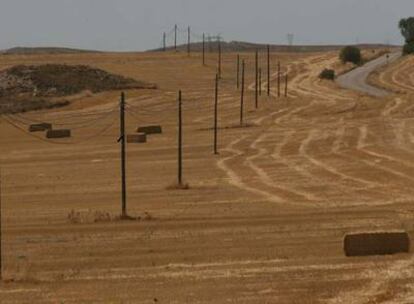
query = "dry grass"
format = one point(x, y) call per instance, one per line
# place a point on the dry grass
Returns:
point(231, 127)
point(19, 104)
point(269, 213)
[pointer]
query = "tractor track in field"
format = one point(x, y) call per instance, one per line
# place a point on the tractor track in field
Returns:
point(261, 222)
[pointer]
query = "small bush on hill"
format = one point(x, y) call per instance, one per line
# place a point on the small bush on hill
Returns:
point(351, 54)
point(408, 48)
point(327, 74)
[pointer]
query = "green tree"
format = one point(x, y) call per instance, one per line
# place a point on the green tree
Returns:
point(407, 29)
point(351, 54)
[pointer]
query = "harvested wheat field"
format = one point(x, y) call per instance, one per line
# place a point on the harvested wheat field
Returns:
point(261, 222)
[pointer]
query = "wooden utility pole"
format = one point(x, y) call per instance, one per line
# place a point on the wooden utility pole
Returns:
point(268, 70)
point(164, 42)
point(215, 114)
point(219, 57)
point(1, 237)
point(123, 154)
point(260, 81)
point(278, 79)
point(257, 79)
point(242, 95)
point(286, 85)
point(180, 141)
point(238, 71)
point(204, 49)
point(188, 41)
point(175, 37)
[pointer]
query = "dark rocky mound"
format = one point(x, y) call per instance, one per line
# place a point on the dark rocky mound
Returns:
point(31, 87)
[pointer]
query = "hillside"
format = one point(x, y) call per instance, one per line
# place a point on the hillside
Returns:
point(240, 46)
point(43, 50)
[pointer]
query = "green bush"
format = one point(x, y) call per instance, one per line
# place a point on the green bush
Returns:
point(327, 74)
point(408, 48)
point(351, 54)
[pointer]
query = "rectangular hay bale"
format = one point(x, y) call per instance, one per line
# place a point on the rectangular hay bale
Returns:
point(40, 127)
point(137, 138)
point(63, 133)
point(155, 129)
point(376, 243)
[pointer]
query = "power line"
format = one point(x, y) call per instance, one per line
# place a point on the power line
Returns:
point(74, 125)
point(13, 123)
point(149, 109)
point(149, 112)
point(173, 34)
point(63, 116)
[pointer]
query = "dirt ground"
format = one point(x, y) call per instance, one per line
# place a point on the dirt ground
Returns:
point(262, 222)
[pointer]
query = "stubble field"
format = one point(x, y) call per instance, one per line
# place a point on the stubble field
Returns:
point(262, 222)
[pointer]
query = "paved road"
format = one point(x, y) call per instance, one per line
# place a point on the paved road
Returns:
point(356, 79)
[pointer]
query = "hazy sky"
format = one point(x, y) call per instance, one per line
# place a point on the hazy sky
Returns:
point(123, 25)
